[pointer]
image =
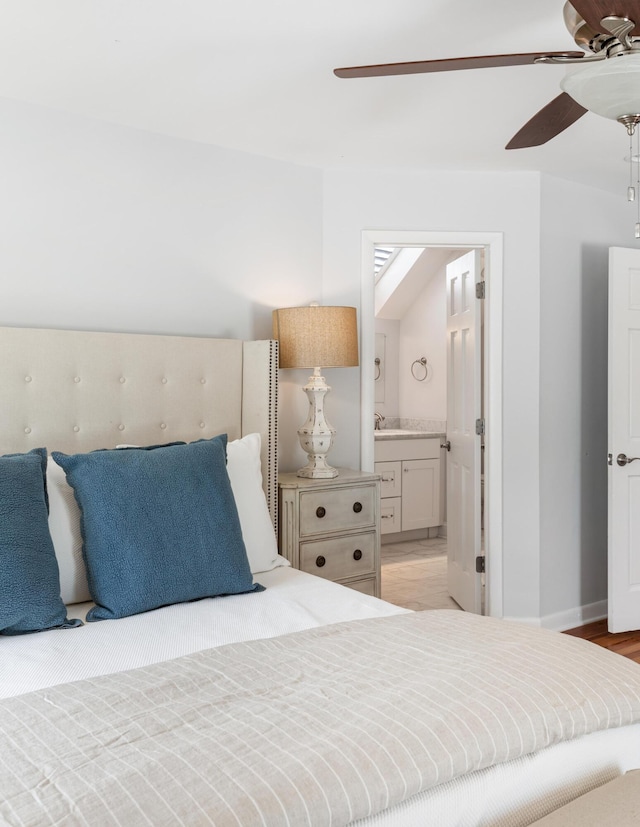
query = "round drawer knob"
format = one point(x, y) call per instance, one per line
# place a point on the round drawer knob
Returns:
point(320, 561)
point(357, 554)
point(357, 507)
point(320, 512)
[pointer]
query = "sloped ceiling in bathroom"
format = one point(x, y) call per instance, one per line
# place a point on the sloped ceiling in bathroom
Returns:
point(408, 277)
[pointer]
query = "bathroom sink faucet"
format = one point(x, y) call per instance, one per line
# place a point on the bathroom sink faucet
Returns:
point(379, 419)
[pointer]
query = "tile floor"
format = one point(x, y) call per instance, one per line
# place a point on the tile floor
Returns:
point(414, 574)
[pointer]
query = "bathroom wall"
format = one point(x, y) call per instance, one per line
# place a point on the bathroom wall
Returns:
point(423, 332)
point(419, 330)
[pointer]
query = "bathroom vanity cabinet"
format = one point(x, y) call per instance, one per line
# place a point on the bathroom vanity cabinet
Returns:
point(409, 468)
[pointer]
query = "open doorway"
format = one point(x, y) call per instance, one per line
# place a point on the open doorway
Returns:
point(428, 400)
point(490, 381)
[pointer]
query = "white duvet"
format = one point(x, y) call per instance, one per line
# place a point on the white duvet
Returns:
point(509, 795)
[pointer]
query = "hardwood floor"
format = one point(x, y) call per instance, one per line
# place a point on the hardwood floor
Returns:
point(624, 643)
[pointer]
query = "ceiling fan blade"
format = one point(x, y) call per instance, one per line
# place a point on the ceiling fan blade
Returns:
point(550, 121)
point(593, 11)
point(446, 65)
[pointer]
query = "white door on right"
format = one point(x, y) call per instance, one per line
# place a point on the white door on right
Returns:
point(464, 403)
point(624, 440)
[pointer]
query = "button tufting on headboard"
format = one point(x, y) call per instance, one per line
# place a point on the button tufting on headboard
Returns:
point(56, 379)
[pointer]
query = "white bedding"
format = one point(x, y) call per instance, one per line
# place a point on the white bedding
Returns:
point(318, 727)
point(292, 601)
point(509, 795)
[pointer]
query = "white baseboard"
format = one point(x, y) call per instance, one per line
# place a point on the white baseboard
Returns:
point(569, 619)
point(575, 617)
point(408, 536)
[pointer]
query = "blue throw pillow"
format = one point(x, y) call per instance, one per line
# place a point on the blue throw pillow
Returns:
point(159, 526)
point(29, 580)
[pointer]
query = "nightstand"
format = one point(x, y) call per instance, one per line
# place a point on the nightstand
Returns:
point(331, 528)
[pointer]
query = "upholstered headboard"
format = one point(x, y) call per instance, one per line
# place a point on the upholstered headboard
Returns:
point(75, 391)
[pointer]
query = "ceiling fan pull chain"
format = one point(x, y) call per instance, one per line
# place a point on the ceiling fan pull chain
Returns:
point(637, 157)
point(631, 190)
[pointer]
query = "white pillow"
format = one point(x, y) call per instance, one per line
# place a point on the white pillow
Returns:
point(245, 473)
point(64, 526)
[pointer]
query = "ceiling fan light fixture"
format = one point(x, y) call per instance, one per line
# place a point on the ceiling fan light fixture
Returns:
point(610, 87)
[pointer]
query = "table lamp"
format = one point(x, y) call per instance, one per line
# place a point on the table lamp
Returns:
point(316, 337)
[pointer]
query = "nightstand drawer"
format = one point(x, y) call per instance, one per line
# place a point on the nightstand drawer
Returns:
point(338, 509)
point(340, 557)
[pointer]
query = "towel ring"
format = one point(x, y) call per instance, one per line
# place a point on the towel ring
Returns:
point(376, 361)
point(422, 363)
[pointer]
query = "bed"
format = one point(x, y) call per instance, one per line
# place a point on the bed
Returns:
point(276, 698)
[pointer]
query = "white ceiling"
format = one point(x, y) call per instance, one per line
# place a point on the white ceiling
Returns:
point(256, 75)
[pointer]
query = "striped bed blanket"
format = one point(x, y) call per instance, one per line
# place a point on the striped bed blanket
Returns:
point(320, 727)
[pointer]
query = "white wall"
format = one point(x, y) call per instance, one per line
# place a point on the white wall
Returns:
point(578, 226)
point(423, 332)
point(116, 229)
point(556, 236)
point(110, 228)
point(502, 202)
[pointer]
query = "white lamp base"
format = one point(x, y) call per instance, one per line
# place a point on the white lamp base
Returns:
point(316, 435)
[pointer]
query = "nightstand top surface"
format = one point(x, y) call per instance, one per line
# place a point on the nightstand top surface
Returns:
point(346, 476)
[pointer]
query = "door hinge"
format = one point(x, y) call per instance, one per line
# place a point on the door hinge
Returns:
point(480, 289)
point(480, 427)
point(480, 566)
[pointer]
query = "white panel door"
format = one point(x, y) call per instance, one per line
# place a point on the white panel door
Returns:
point(463, 408)
point(624, 440)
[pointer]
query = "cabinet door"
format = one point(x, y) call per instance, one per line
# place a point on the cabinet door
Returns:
point(420, 493)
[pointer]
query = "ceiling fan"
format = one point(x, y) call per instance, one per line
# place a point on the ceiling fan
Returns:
point(609, 83)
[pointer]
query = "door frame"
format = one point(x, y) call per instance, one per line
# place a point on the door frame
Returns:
point(493, 245)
